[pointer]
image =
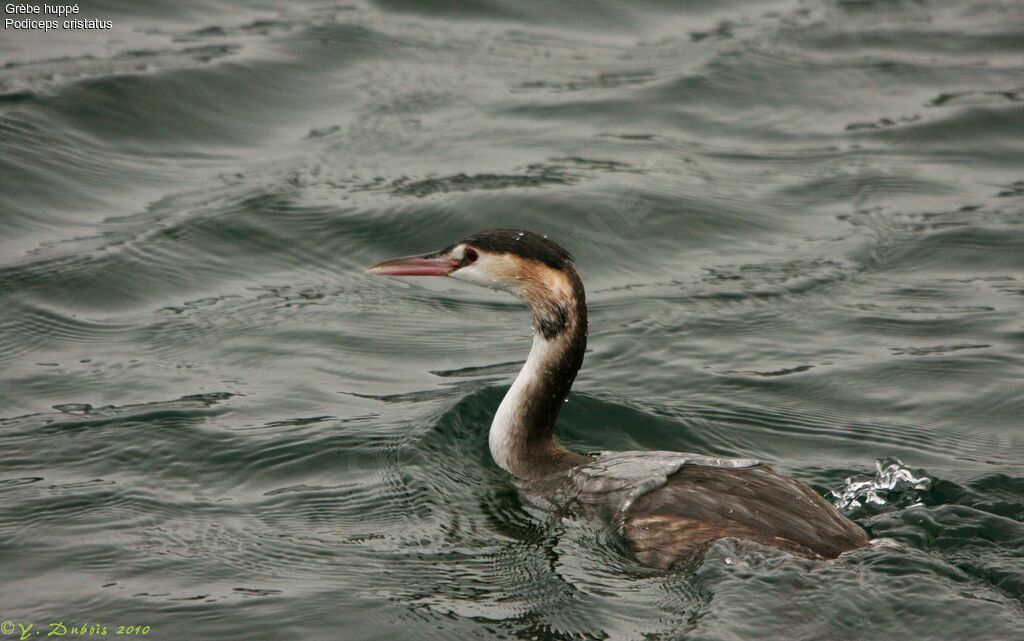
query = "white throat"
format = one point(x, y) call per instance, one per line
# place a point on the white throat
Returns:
point(507, 436)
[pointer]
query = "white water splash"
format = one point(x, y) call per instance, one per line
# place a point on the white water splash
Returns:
point(894, 484)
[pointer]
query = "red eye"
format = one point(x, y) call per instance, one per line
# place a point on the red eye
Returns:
point(470, 256)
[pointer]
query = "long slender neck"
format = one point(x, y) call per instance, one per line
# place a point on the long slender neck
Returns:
point(522, 439)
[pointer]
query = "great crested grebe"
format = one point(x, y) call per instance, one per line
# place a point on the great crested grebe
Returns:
point(669, 506)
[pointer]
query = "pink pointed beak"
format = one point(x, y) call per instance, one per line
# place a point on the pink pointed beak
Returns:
point(423, 265)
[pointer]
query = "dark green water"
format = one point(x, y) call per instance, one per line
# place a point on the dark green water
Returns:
point(801, 226)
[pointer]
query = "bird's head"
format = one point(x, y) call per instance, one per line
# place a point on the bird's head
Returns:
point(525, 264)
point(511, 260)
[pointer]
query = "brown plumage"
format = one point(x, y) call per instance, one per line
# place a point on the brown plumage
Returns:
point(699, 505)
point(663, 522)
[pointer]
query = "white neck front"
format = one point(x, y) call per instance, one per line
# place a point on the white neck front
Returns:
point(522, 439)
point(508, 435)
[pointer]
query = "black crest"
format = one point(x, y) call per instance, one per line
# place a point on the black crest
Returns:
point(524, 244)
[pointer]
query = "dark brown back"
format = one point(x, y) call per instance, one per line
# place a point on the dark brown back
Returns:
point(699, 505)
